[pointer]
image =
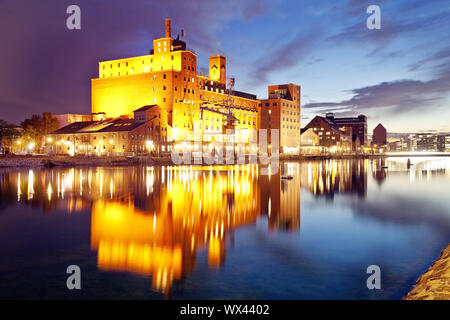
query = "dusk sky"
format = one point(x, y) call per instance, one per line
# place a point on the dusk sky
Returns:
point(398, 75)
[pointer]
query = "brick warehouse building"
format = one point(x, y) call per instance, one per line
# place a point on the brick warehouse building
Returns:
point(358, 125)
point(331, 136)
point(282, 111)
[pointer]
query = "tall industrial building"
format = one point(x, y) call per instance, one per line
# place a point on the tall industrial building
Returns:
point(168, 77)
point(149, 103)
point(282, 111)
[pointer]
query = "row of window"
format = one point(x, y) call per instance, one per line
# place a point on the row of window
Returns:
point(283, 104)
point(289, 112)
point(289, 119)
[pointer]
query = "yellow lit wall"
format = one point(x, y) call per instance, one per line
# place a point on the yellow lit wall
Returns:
point(169, 79)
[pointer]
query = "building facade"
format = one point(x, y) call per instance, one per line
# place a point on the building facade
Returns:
point(358, 125)
point(379, 136)
point(427, 142)
point(197, 105)
point(332, 137)
point(281, 111)
point(444, 142)
point(310, 142)
point(143, 134)
point(68, 118)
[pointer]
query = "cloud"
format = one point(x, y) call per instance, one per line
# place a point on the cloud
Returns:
point(286, 55)
point(45, 66)
point(402, 95)
point(314, 61)
point(443, 54)
point(390, 29)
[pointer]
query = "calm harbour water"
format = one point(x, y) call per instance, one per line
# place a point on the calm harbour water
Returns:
point(223, 232)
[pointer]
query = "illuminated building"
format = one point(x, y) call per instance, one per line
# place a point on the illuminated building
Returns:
point(143, 134)
point(427, 142)
point(68, 118)
point(310, 142)
point(444, 142)
point(281, 111)
point(357, 124)
point(331, 136)
point(167, 77)
point(196, 107)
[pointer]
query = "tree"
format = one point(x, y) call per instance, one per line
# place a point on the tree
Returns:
point(8, 133)
point(36, 127)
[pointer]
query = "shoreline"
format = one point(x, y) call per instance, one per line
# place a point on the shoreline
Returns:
point(35, 161)
point(433, 284)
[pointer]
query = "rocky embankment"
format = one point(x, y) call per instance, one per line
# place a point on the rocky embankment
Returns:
point(434, 284)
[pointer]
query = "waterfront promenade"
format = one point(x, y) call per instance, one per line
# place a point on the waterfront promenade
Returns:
point(17, 161)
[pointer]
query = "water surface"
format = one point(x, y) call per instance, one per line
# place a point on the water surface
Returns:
point(223, 232)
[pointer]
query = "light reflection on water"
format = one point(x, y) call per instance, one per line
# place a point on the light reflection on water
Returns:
point(224, 232)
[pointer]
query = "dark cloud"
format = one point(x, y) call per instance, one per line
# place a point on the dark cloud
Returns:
point(436, 57)
point(286, 55)
point(402, 95)
point(354, 8)
point(391, 28)
point(314, 61)
point(46, 67)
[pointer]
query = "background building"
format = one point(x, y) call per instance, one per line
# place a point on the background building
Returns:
point(332, 137)
point(444, 142)
point(379, 135)
point(358, 125)
point(68, 118)
point(427, 142)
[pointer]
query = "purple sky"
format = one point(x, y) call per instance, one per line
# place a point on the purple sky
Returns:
point(398, 75)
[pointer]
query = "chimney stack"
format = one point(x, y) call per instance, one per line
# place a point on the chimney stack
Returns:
point(167, 27)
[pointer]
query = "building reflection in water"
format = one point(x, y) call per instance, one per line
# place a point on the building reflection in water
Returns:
point(154, 220)
point(328, 177)
point(176, 211)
